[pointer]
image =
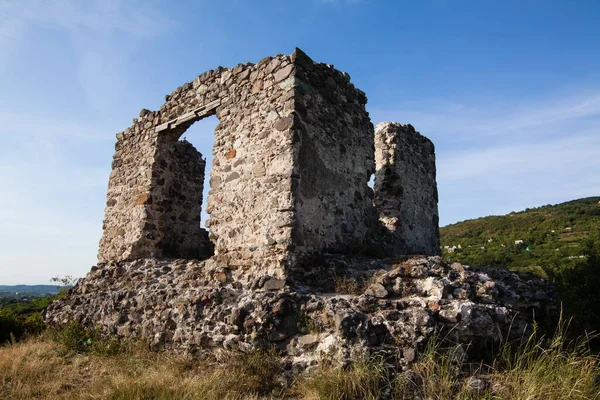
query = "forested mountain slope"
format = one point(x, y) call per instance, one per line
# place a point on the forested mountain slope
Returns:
point(532, 239)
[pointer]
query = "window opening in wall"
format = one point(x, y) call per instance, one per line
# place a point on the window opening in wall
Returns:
point(202, 136)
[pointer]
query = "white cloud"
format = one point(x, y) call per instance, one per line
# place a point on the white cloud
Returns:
point(493, 158)
point(481, 120)
point(29, 125)
point(577, 154)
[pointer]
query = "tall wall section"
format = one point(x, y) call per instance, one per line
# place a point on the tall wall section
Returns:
point(293, 153)
point(249, 203)
point(333, 160)
point(406, 196)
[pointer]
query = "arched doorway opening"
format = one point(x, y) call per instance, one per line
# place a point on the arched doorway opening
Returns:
point(181, 178)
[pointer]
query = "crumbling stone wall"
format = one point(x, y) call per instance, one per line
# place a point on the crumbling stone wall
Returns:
point(179, 305)
point(128, 196)
point(249, 201)
point(250, 179)
point(292, 154)
point(334, 159)
point(405, 188)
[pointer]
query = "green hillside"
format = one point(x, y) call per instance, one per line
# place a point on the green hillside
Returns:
point(560, 242)
point(551, 234)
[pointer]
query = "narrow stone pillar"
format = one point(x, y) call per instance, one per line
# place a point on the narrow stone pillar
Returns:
point(405, 188)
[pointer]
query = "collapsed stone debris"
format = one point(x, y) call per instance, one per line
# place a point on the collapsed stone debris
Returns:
point(301, 253)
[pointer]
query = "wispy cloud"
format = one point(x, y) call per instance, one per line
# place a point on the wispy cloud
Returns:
point(555, 157)
point(55, 156)
point(482, 121)
point(496, 157)
point(35, 124)
point(102, 36)
point(49, 217)
point(105, 16)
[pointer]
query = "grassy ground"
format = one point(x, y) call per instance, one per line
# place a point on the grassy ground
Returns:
point(50, 367)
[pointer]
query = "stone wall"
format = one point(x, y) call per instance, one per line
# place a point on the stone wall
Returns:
point(405, 188)
point(334, 159)
point(128, 198)
point(293, 152)
point(249, 200)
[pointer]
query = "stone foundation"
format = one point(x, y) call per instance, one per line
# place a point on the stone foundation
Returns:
point(194, 307)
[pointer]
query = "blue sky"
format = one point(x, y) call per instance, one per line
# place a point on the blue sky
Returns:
point(508, 91)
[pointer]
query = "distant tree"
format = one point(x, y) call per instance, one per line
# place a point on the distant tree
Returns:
point(579, 286)
point(65, 282)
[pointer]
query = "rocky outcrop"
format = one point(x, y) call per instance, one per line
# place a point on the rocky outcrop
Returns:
point(193, 307)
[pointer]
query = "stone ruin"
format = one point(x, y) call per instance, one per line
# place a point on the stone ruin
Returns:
point(293, 154)
point(302, 253)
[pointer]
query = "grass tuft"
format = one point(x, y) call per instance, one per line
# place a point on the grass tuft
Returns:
point(363, 379)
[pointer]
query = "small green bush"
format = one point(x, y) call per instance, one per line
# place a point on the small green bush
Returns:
point(20, 319)
point(83, 340)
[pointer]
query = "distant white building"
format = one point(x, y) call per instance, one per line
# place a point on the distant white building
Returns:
point(519, 241)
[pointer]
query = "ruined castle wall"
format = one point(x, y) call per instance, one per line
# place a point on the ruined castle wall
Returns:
point(249, 204)
point(405, 188)
point(333, 159)
point(128, 192)
point(293, 153)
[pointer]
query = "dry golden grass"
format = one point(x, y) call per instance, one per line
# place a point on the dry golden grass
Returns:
point(41, 368)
